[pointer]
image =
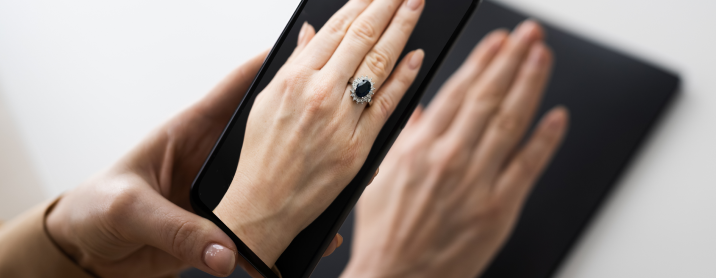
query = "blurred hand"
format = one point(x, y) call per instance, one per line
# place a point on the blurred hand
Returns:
point(454, 182)
point(134, 219)
point(306, 138)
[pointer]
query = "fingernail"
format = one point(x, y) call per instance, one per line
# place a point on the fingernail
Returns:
point(340, 240)
point(496, 41)
point(302, 33)
point(416, 59)
point(526, 30)
point(537, 55)
point(374, 175)
point(556, 119)
point(414, 4)
point(220, 259)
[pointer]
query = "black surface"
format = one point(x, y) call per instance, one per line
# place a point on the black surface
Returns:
point(437, 30)
point(613, 99)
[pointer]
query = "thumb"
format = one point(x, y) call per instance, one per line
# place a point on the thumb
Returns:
point(157, 222)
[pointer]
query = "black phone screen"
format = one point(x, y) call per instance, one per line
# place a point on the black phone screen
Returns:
point(435, 33)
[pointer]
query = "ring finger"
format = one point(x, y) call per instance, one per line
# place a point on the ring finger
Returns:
point(366, 31)
point(381, 59)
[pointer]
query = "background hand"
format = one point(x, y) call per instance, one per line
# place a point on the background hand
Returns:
point(452, 186)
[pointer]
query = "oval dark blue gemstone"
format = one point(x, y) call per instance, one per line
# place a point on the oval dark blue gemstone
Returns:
point(363, 88)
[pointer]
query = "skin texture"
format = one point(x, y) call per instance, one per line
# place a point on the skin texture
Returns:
point(134, 219)
point(452, 186)
point(305, 137)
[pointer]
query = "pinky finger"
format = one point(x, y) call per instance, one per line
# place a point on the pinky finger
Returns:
point(304, 37)
point(525, 168)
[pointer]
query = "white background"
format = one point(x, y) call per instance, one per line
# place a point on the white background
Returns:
point(82, 81)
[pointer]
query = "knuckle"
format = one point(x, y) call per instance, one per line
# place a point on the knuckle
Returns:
point(121, 206)
point(364, 32)
point(405, 80)
point(292, 83)
point(293, 78)
point(490, 95)
point(451, 160)
point(379, 62)
point(383, 107)
point(317, 100)
point(525, 166)
point(350, 155)
point(413, 159)
point(509, 123)
point(183, 238)
point(406, 24)
point(338, 24)
point(315, 105)
point(490, 211)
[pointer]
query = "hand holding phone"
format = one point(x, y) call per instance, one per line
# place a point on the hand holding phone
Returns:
point(306, 137)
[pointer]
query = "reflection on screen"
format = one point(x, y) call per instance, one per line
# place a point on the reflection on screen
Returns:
point(436, 25)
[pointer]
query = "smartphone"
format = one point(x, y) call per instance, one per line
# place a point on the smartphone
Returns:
point(439, 26)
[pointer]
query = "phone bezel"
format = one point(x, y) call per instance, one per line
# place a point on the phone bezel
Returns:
point(369, 167)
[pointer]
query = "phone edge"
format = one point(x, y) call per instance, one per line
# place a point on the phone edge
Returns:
point(195, 200)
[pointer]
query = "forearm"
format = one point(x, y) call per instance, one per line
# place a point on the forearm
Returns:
point(27, 251)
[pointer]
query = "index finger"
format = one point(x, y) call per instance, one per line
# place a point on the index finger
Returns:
point(522, 172)
point(375, 116)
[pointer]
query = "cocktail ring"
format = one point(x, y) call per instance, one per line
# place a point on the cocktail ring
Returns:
point(362, 90)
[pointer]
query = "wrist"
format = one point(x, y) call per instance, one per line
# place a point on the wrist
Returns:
point(263, 220)
point(374, 265)
point(354, 272)
point(59, 232)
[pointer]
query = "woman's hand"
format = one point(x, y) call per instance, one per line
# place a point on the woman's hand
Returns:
point(306, 138)
point(134, 219)
point(454, 182)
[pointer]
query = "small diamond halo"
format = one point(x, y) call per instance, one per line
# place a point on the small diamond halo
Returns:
point(359, 87)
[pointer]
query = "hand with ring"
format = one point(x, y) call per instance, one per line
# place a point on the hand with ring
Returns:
point(308, 132)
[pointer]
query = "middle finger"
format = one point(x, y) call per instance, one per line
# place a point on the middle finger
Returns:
point(380, 60)
point(508, 126)
point(361, 37)
point(486, 95)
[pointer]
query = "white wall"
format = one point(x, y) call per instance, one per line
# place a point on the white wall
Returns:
point(82, 81)
point(85, 80)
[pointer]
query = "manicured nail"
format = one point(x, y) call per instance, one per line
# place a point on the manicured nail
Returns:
point(526, 30)
point(340, 240)
point(374, 175)
point(416, 59)
point(302, 33)
point(556, 119)
point(496, 41)
point(414, 4)
point(220, 259)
